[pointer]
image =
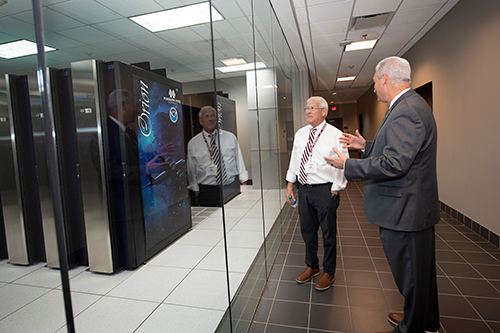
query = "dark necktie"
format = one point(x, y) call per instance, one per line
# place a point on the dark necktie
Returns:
point(216, 159)
point(305, 157)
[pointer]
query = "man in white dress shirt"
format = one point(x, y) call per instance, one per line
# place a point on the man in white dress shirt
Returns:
point(319, 185)
point(206, 170)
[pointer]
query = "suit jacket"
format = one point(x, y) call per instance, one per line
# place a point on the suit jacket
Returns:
point(399, 168)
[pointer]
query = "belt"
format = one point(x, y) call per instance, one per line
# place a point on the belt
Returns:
point(314, 185)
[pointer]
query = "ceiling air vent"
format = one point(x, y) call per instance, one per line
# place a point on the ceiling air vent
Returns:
point(371, 21)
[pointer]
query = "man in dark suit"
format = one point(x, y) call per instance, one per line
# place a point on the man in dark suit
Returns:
point(400, 192)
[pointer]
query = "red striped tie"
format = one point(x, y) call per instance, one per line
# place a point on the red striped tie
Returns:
point(305, 157)
point(216, 158)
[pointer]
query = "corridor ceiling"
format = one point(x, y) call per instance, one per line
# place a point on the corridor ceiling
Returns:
point(101, 29)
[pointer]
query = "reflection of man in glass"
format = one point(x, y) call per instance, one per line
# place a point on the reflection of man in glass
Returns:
point(209, 165)
point(121, 113)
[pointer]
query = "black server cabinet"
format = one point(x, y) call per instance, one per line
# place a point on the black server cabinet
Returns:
point(68, 159)
point(24, 232)
point(130, 132)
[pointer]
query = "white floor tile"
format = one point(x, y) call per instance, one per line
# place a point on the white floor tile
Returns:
point(239, 260)
point(243, 239)
point(150, 283)
point(45, 314)
point(201, 237)
point(10, 273)
point(205, 289)
point(96, 283)
point(111, 314)
point(183, 256)
point(13, 297)
point(48, 277)
point(211, 223)
point(174, 318)
point(249, 224)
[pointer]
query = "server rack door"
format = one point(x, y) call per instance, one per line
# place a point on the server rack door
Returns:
point(23, 227)
point(92, 176)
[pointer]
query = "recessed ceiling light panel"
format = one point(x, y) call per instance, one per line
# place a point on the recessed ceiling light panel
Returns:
point(178, 17)
point(244, 67)
point(346, 78)
point(20, 48)
point(363, 45)
point(233, 61)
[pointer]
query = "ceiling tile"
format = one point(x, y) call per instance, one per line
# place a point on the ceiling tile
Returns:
point(232, 9)
point(87, 35)
point(371, 7)
point(301, 14)
point(118, 46)
point(329, 27)
point(121, 27)
point(52, 21)
point(402, 33)
point(16, 6)
point(225, 28)
point(86, 11)
point(148, 41)
point(128, 8)
point(17, 28)
point(168, 4)
point(420, 14)
point(421, 3)
point(242, 25)
point(89, 52)
point(331, 11)
point(4, 38)
point(332, 39)
point(60, 42)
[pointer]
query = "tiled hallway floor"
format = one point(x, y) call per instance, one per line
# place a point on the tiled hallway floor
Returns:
point(364, 292)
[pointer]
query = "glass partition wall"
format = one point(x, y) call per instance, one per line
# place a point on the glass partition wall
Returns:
point(138, 262)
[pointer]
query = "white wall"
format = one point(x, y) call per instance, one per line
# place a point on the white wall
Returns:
point(460, 56)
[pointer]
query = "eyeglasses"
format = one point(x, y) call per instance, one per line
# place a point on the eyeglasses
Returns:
point(312, 108)
point(208, 116)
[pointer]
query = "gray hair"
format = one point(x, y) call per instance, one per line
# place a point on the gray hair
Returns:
point(320, 100)
point(119, 95)
point(397, 69)
point(205, 108)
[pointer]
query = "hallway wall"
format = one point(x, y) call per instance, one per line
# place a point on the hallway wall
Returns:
point(460, 56)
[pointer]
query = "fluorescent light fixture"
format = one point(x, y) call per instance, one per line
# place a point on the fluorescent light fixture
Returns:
point(363, 45)
point(178, 17)
point(233, 61)
point(244, 67)
point(346, 78)
point(20, 48)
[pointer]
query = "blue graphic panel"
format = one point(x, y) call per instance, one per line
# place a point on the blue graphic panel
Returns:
point(162, 159)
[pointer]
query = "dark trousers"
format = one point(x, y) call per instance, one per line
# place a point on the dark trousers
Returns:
point(412, 258)
point(317, 207)
point(209, 195)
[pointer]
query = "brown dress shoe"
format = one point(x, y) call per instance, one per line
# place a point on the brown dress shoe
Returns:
point(395, 318)
point(307, 275)
point(325, 281)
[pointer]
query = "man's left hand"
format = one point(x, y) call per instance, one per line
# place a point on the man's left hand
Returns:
point(337, 161)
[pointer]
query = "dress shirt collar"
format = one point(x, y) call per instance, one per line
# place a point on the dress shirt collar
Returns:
point(317, 127)
point(397, 97)
point(205, 133)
